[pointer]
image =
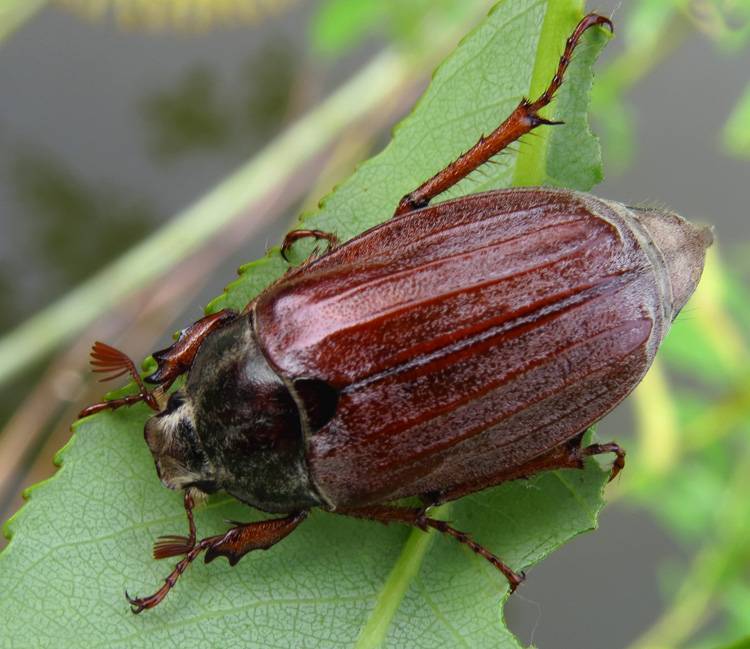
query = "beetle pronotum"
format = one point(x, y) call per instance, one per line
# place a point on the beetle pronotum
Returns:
point(494, 328)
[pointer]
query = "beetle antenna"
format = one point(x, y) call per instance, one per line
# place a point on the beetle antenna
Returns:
point(106, 359)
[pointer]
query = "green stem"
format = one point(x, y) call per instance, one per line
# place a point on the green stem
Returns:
point(739, 644)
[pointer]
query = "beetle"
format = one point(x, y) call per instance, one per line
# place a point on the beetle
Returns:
point(450, 349)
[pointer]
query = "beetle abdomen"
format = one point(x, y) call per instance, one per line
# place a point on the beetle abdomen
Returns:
point(469, 337)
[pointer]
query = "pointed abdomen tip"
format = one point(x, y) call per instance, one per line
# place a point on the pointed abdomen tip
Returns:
point(683, 247)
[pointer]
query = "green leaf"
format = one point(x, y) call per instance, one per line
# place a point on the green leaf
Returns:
point(86, 534)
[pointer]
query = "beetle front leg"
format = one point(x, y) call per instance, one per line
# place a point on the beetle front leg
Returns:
point(234, 544)
point(172, 362)
point(172, 545)
point(178, 357)
point(108, 360)
point(416, 517)
point(521, 121)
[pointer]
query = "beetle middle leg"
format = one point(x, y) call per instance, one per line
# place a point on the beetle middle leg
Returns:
point(521, 121)
point(234, 544)
point(416, 518)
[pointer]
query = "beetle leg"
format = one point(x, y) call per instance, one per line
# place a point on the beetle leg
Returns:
point(416, 517)
point(178, 357)
point(296, 235)
point(521, 121)
point(569, 455)
point(611, 447)
point(172, 362)
point(234, 544)
point(112, 404)
point(261, 535)
point(173, 545)
point(138, 604)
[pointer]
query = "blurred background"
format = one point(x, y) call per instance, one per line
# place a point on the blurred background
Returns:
point(119, 119)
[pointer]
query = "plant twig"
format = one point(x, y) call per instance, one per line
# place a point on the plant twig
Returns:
point(233, 198)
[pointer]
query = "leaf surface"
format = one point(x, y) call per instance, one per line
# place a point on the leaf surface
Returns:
point(86, 534)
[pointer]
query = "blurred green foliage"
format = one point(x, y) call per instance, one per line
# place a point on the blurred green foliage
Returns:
point(14, 13)
point(736, 136)
point(203, 114)
point(691, 461)
point(78, 227)
point(341, 25)
point(700, 494)
point(652, 31)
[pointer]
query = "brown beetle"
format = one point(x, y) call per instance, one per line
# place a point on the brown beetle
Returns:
point(445, 351)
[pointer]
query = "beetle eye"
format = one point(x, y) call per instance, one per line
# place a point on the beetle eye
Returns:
point(206, 486)
point(175, 401)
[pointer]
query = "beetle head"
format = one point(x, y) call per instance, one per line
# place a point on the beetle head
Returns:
point(236, 426)
point(181, 461)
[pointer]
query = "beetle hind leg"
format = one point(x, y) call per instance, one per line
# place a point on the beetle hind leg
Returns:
point(524, 118)
point(416, 518)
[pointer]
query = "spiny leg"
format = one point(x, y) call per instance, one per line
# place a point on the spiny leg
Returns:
point(234, 544)
point(172, 545)
point(569, 455)
point(521, 121)
point(178, 357)
point(296, 235)
point(416, 517)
